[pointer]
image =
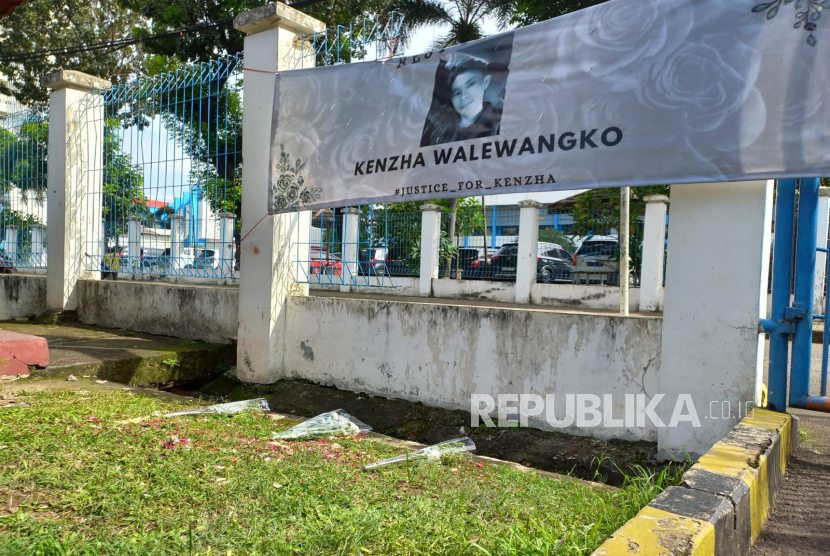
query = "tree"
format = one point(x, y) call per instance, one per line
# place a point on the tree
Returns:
point(56, 24)
point(526, 12)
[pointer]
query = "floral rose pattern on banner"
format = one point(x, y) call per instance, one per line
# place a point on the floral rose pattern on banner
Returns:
point(293, 189)
point(807, 14)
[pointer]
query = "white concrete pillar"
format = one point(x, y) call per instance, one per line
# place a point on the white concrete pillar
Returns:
point(178, 231)
point(271, 244)
point(351, 229)
point(39, 245)
point(134, 242)
point(528, 255)
point(74, 203)
point(821, 241)
point(430, 247)
point(716, 294)
point(226, 255)
point(654, 242)
point(11, 243)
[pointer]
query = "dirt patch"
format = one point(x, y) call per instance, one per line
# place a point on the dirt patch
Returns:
point(548, 451)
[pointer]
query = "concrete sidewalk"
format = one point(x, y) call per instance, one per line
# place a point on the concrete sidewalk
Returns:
point(800, 521)
point(126, 357)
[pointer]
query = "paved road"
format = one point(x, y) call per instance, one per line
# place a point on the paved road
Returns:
point(800, 521)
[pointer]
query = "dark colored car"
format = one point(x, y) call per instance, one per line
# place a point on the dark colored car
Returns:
point(553, 263)
point(399, 263)
point(371, 261)
point(465, 261)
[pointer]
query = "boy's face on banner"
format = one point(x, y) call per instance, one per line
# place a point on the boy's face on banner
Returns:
point(468, 95)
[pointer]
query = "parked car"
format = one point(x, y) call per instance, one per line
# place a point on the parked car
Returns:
point(553, 263)
point(598, 261)
point(371, 261)
point(400, 263)
point(205, 259)
point(464, 261)
point(322, 262)
point(6, 265)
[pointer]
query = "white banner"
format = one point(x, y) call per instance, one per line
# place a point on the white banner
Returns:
point(630, 92)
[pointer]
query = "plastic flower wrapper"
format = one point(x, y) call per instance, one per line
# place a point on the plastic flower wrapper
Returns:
point(458, 447)
point(333, 423)
point(232, 408)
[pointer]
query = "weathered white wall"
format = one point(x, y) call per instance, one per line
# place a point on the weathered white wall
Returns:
point(22, 296)
point(442, 354)
point(397, 285)
point(716, 292)
point(598, 298)
point(207, 313)
point(490, 290)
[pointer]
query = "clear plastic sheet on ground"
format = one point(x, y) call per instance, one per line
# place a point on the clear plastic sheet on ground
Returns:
point(435, 453)
point(232, 408)
point(333, 423)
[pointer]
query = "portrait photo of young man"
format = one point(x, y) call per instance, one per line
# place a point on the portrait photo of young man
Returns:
point(468, 96)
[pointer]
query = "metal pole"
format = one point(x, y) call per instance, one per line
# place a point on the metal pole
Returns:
point(782, 265)
point(805, 277)
point(625, 193)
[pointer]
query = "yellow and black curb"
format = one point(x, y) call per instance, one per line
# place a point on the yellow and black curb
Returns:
point(724, 500)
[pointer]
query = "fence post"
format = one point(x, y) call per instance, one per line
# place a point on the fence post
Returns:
point(11, 243)
point(351, 227)
point(73, 206)
point(430, 247)
point(654, 240)
point(527, 256)
point(270, 244)
point(38, 246)
point(177, 234)
point(821, 241)
point(134, 244)
point(226, 256)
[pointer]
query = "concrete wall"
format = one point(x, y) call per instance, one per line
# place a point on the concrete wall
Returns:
point(397, 285)
point(22, 295)
point(208, 313)
point(442, 354)
point(711, 347)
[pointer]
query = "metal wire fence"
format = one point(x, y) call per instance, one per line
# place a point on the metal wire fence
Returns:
point(24, 135)
point(168, 150)
point(370, 245)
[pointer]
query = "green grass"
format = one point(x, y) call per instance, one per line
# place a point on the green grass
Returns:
point(75, 479)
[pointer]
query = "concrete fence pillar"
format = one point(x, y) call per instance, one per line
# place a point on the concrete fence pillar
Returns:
point(821, 241)
point(528, 253)
point(430, 247)
point(274, 248)
point(226, 255)
point(351, 229)
point(178, 231)
point(11, 243)
point(134, 239)
point(654, 242)
point(716, 294)
point(39, 245)
point(74, 203)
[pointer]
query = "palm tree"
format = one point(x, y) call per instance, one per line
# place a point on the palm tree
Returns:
point(465, 19)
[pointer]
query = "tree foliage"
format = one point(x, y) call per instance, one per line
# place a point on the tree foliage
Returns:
point(51, 24)
point(526, 12)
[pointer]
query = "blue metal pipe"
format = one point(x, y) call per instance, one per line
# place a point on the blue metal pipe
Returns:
point(826, 343)
point(805, 279)
point(782, 264)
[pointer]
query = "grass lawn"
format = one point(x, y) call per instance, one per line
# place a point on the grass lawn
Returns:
point(75, 479)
